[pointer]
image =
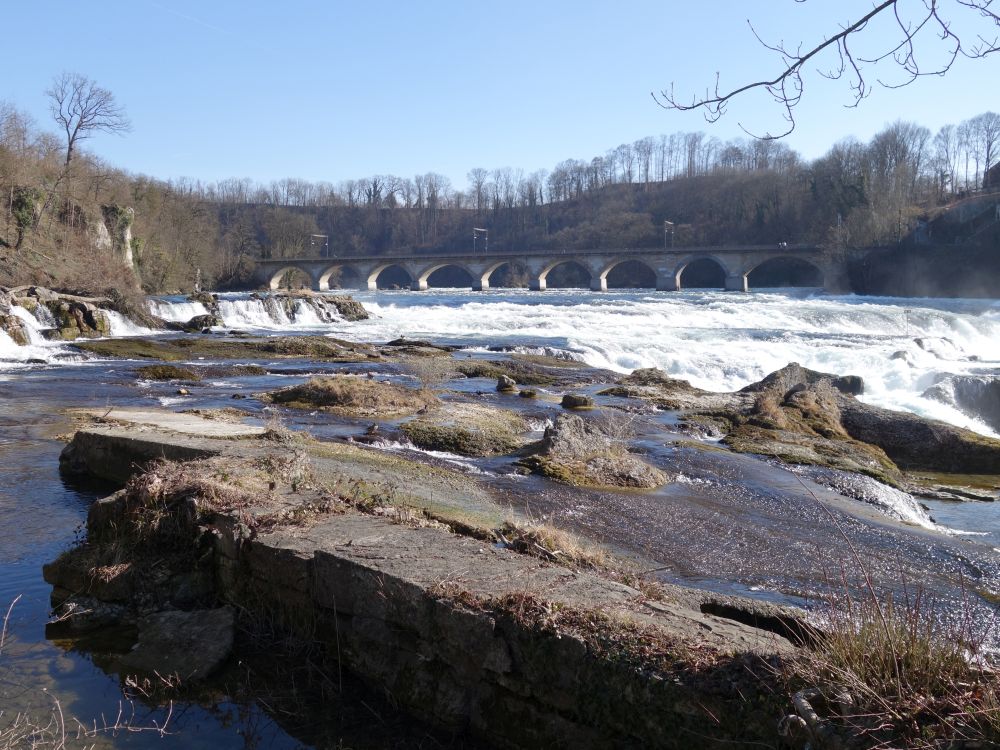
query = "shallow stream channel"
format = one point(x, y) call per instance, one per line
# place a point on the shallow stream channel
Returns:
point(735, 524)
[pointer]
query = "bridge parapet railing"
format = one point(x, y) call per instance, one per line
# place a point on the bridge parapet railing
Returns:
point(554, 252)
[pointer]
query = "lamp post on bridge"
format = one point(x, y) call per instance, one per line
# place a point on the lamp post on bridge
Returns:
point(322, 241)
point(476, 232)
point(668, 226)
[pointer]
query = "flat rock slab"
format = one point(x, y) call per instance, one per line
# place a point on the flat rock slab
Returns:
point(187, 424)
point(190, 645)
point(433, 560)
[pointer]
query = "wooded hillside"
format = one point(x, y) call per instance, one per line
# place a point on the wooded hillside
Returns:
point(65, 219)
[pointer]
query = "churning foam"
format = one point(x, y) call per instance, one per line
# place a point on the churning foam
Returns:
point(718, 341)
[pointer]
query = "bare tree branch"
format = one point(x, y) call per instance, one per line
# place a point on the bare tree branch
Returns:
point(787, 86)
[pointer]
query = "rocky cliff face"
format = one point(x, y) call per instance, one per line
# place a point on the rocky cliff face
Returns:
point(114, 232)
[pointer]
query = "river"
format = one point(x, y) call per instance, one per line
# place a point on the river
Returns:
point(718, 526)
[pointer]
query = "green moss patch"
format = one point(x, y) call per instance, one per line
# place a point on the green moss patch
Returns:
point(166, 372)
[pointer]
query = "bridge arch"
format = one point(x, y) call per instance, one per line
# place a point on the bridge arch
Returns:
point(602, 278)
point(518, 274)
point(702, 261)
point(540, 282)
point(783, 271)
point(377, 271)
point(422, 280)
point(275, 277)
point(345, 274)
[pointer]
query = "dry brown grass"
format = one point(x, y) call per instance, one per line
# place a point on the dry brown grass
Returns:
point(548, 542)
point(889, 673)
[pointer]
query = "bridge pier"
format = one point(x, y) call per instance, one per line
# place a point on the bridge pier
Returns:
point(598, 283)
point(666, 282)
point(736, 282)
point(418, 285)
point(537, 284)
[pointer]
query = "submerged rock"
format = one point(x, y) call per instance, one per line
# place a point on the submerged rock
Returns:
point(190, 645)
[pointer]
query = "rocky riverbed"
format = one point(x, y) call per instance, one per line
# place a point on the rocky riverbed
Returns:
point(690, 504)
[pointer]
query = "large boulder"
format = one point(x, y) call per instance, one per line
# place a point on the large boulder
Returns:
point(75, 318)
point(804, 416)
point(506, 384)
point(915, 442)
point(588, 452)
point(202, 322)
point(348, 307)
point(10, 324)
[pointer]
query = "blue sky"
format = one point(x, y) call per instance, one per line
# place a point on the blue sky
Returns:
point(339, 90)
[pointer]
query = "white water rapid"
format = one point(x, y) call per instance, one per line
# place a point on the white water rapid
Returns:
point(718, 341)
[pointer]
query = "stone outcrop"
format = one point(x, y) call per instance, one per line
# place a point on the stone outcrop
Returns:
point(808, 417)
point(67, 317)
point(467, 429)
point(354, 396)
point(10, 324)
point(586, 453)
point(515, 650)
point(117, 235)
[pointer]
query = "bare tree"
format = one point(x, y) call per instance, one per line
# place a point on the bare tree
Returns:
point(83, 108)
point(916, 25)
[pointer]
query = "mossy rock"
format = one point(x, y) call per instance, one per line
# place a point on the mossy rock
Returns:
point(166, 372)
point(812, 450)
point(353, 396)
point(468, 430)
point(576, 401)
point(521, 372)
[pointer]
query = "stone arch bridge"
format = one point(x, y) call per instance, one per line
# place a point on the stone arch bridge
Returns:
point(668, 265)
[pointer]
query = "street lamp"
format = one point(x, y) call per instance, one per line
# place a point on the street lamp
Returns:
point(485, 233)
point(322, 241)
point(668, 226)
